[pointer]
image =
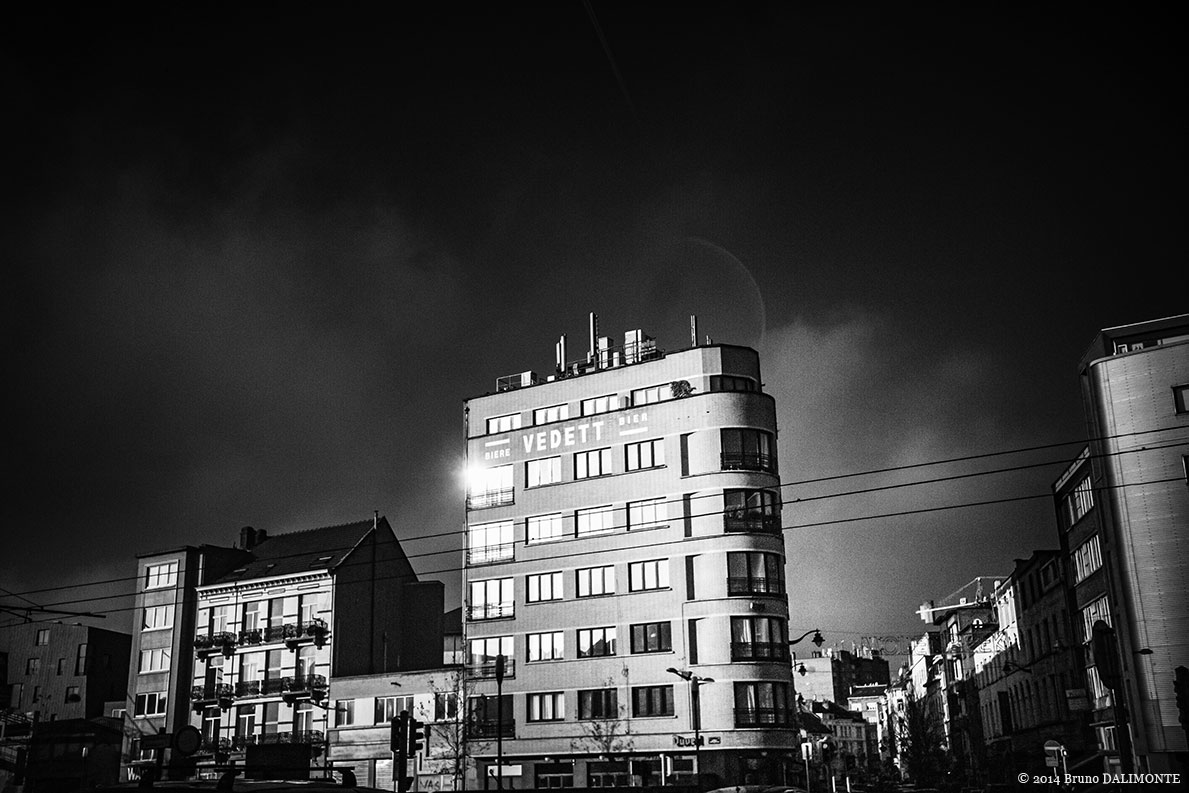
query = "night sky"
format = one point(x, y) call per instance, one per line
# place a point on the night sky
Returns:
point(256, 260)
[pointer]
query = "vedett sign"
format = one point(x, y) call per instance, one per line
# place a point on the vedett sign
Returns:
point(546, 440)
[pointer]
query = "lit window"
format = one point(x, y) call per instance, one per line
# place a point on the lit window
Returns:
point(503, 423)
point(157, 617)
point(542, 528)
point(546, 471)
point(544, 586)
point(595, 520)
point(492, 599)
point(596, 642)
point(593, 581)
point(593, 463)
point(1087, 558)
point(646, 454)
point(647, 514)
point(551, 414)
point(491, 487)
point(1080, 501)
point(546, 646)
point(32, 666)
point(80, 660)
point(652, 701)
point(490, 542)
point(43, 637)
point(546, 707)
point(161, 575)
point(652, 574)
point(652, 637)
point(1097, 610)
point(603, 404)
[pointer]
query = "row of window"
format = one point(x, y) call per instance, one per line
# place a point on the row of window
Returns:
point(746, 510)
point(1087, 558)
point(261, 614)
point(752, 639)
point(33, 665)
point(18, 689)
point(609, 402)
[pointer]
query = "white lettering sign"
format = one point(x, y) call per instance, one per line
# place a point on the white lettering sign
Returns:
point(553, 439)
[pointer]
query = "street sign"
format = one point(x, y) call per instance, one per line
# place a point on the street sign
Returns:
point(1051, 761)
point(161, 740)
point(187, 740)
point(1054, 747)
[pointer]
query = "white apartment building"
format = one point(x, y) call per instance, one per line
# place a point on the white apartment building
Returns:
point(625, 556)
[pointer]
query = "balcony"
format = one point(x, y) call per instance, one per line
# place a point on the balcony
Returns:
point(751, 522)
point(763, 717)
point(251, 637)
point(295, 634)
point(491, 729)
point(748, 461)
point(207, 644)
point(491, 498)
point(308, 687)
point(311, 737)
point(759, 651)
point(491, 611)
point(203, 697)
point(248, 688)
point(490, 554)
point(485, 670)
point(743, 585)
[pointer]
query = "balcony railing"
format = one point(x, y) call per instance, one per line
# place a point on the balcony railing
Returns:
point(251, 636)
point(490, 554)
point(742, 585)
point(202, 697)
point(491, 498)
point(486, 669)
point(218, 642)
point(248, 688)
point(751, 522)
point(763, 717)
point(491, 611)
point(312, 737)
point(297, 633)
point(491, 729)
point(303, 687)
point(748, 461)
point(759, 651)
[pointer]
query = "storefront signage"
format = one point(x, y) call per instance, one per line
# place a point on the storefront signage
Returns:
point(687, 741)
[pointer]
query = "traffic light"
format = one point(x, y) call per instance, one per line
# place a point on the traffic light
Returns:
point(398, 737)
point(418, 736)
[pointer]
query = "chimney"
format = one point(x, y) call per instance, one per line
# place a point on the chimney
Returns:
point(247, 538)
point(594, 337)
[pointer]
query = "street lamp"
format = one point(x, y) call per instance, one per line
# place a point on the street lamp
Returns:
point(695, 681)
point(819, 641)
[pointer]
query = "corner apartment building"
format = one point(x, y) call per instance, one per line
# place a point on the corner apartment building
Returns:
point(624, 526)
point(832, 674)
point(1135, 388)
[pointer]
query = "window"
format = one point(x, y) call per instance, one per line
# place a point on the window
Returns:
point(491, 487)
point(43, 637)
point(492, 599)
point(656, 393)
point(546, 646)
point(603, 404)
point(543, 586)
point(653, 574)
point(551, 414)
point(1080, 501)
point(652, 701)
point(594, 581)
point(503, 423)
point(1180, 394)
point(596, 642)
point(758, 639)
point(544, 528)
point(32, 666)
point(156, 618)
point(596, 462)
point(652, 637)
point(485, 651)
point(344, 712)
point(762, 704)
point(754, 573)
point(545, 471)
point(726, 382)
point(61, 666)
point(245, 720)
point(751, 510)
point(388, 708)
point(546, 707)
point(156, 660)
point(1097, 610)
point(150, 704)
point(645, 454)
point(595, 520)
point(445, 706)
point(161, 575)
point(1086, 558)
point(648, 514)
point(748, 450)
point(599, 703)
point(490, 542)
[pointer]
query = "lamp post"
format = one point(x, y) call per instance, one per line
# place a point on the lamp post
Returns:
point(819, 641)
point(695, 681)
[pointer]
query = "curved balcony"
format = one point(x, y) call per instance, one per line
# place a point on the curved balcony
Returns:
point(751, 585)
point(748, 461)
point(751, 521)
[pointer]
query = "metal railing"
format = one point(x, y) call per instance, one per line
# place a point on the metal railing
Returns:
point(491, 729)
point(763, 717)
point(759, 651)
point(748, 461)
point(486, 669)
point(744, 585)
point(489, 554)
point(751, 522)
point(491, 498)
point(491, 611)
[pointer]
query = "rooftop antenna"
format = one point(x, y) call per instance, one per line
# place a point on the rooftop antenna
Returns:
point(592, 355)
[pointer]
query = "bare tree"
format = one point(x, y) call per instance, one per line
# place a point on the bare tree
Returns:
point(451, 727)
point(607, 735)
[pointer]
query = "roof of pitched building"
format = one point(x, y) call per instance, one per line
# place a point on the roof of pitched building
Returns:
point(302, 551)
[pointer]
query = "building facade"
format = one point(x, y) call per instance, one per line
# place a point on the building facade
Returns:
point(624, 548)
point(1135, 387)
